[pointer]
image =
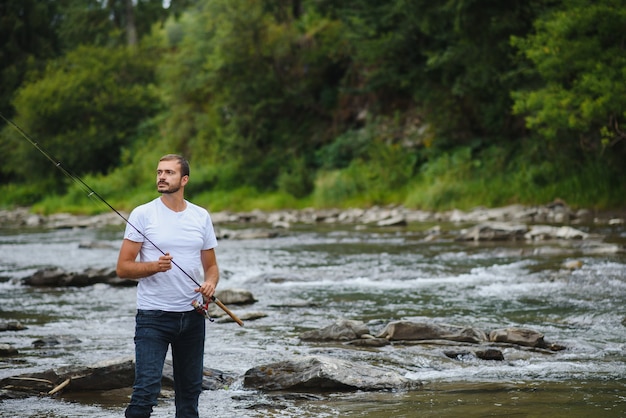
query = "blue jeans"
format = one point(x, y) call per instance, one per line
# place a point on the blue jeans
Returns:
point(154, 332)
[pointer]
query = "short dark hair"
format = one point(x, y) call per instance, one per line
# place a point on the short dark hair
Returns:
point(184, 164)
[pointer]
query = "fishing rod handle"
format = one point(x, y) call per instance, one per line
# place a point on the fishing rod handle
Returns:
point(228, 311)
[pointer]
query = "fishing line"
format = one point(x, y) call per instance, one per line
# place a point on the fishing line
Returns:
point(92, 193)
point(86, 188)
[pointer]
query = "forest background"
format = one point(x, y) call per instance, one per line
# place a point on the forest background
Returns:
point(315, 103)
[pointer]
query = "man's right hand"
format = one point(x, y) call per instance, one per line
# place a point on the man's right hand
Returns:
point(165, 262)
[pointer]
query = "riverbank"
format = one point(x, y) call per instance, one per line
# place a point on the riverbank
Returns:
point(553, 213)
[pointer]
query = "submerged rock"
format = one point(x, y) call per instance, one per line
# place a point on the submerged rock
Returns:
point(52, 341)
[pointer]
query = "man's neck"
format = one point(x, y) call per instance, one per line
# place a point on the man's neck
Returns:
point(174, 201)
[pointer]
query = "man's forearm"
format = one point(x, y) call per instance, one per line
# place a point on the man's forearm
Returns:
point(136, 270)
point(212, 275)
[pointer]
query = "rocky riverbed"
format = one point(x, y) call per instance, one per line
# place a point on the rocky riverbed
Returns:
point(299, 373)
point(350, 301)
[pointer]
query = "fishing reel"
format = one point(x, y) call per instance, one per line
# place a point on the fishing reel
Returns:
point(202, 309)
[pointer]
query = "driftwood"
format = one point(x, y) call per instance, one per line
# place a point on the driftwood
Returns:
point(60, 387)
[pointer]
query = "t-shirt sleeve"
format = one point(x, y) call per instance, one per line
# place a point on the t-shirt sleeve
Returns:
point(210, 240)
point(134, 225)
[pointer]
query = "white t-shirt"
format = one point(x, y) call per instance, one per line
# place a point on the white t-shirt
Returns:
point(181, 234)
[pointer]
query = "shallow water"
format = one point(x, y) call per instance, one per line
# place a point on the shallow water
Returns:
point(372, 275)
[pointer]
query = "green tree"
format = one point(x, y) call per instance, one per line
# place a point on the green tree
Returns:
point(450, 60)
point(253, 84)
point(84, 110)
point(27, 39)
point(112, 22)
point(579, 56)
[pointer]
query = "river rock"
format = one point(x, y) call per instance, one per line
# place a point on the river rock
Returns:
point(7, 350)
point(572, 264)
point(407, 330)
point(398, 220)
point(212, 379)
point(519, 336)
point(545, 232)
point(235, 296)
point(368, 342)
point(33, 383)
point(319, 373)
point(486, 354)
point(494, 231)
point(294, 303)
point(11, 326)
point(69, 221)
point(343, 330)
point(247, 234)
point(490, 354)
point(56, 276)
point(106, 375)
point(52, 341)
point(109, 375)
point(459, 354)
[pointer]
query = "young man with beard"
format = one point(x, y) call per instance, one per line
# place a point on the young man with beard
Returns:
point(165, 229)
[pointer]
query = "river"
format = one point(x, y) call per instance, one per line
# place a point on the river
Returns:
point(309, 277)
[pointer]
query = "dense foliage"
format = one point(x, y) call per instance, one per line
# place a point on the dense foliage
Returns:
point(325, 103)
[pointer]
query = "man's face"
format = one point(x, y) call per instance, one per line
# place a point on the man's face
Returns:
point(169, 178)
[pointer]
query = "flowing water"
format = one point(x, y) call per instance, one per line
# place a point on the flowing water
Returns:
point(372, 275)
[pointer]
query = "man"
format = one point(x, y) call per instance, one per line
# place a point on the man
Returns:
point(175, 242)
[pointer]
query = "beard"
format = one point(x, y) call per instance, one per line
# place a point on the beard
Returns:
point(169, 190)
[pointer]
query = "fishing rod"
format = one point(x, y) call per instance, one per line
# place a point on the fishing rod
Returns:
point(91, 193)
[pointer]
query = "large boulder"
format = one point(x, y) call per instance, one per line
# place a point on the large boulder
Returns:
point(319, 373)
point(104, 376)
point(56, 276)
point(107, 375)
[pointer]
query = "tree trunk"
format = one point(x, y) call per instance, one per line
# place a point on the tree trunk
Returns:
point(131, 29)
